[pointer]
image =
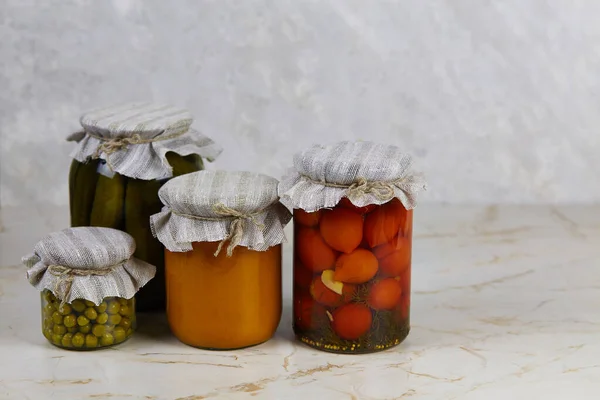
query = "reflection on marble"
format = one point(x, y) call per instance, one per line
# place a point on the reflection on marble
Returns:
point(506, 306)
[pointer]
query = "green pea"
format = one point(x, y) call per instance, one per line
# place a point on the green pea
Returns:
point(73, 329)
point(78, 305)
point(66, 340)
point(113, 307)
point(70, 320)
point(57, 338)
point(89, 303)
point(125, 311)
point(102, 318)
point(114, 319)
point(48, 323)
point(57, 318)
point(91, 313)
point(78, 340)
point(107, 339)
point(49, 309)
point(125, 323)
point(49, 297)
point(86, 328)
point(98, 330)
point(119, 334)
point(59, 329)
point(91, 341)
point(48, 334)
point(82, 320)
point(64, 309)
point(129, 332)
point(102, 307)
point(123, 301)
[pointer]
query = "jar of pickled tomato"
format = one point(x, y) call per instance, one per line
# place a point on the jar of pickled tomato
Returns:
point(223, 233)
point(87, 278)
point(352, 210)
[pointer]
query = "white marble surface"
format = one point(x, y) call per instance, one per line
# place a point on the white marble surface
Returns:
point(506, 306)
point(497, 100)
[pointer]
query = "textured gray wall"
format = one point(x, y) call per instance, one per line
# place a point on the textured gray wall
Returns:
point(498, 100)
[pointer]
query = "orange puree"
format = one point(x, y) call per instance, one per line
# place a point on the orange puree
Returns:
point(221, 302)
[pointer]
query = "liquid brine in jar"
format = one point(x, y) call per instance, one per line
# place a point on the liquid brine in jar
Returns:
point(84, 325)
point(352, 276)
point(352, 248)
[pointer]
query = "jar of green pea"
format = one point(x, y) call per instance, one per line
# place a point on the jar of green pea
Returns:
point(83, 325)
point(87, 278)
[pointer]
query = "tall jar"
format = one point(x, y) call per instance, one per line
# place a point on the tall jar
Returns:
point(223, 233)
point(87, 278)
point(352, 204)
point(125, 154)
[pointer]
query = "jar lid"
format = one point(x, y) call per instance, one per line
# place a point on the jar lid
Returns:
point(241, 208)
point(364, 172)
point(87, 263)
point(133, 138)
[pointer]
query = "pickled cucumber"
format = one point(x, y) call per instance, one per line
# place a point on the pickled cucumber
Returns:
point(184, 164)
point(126, 204)
point(80, 326)
point(141, 201)
point(82, 189)
point(109, 199)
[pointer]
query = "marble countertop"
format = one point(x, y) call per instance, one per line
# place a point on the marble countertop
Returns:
point(506, 305)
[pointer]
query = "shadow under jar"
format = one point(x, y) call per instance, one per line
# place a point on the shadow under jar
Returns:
point(352, 270)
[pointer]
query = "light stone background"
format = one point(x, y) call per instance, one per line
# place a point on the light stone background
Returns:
point(499, 101)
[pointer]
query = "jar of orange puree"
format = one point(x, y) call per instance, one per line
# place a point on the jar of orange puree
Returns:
point(352, 204)
point(223, 233)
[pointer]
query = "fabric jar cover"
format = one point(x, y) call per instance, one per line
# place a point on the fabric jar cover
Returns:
point(88, 263)
point(364, 172)
point(209, 206)
point(134, 139)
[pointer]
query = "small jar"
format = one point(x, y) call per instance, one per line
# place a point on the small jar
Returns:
point(83, 325)
point(352, 205)
point(125, 154)
point(87, 279)
point(223, 233)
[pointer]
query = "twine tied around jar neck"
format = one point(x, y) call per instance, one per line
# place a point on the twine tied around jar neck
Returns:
point(381, 190)
point(109, 146)
point(67, 274)
point(236, 228)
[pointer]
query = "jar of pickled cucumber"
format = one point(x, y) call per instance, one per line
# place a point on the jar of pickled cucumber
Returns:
point(223, 233)
point(87, 278)
point(352, 210)
point(125, 153)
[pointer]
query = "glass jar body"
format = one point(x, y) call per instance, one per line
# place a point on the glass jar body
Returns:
point(223, 303)
point(126, 204)
point(82, 325)
point(352, 270)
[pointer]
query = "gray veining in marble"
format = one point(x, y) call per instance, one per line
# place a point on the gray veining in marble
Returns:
point(499, 101)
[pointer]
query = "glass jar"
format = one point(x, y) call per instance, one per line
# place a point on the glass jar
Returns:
point(223, 303)
point(83, 325)
point(100, 197)
point(352, 270)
